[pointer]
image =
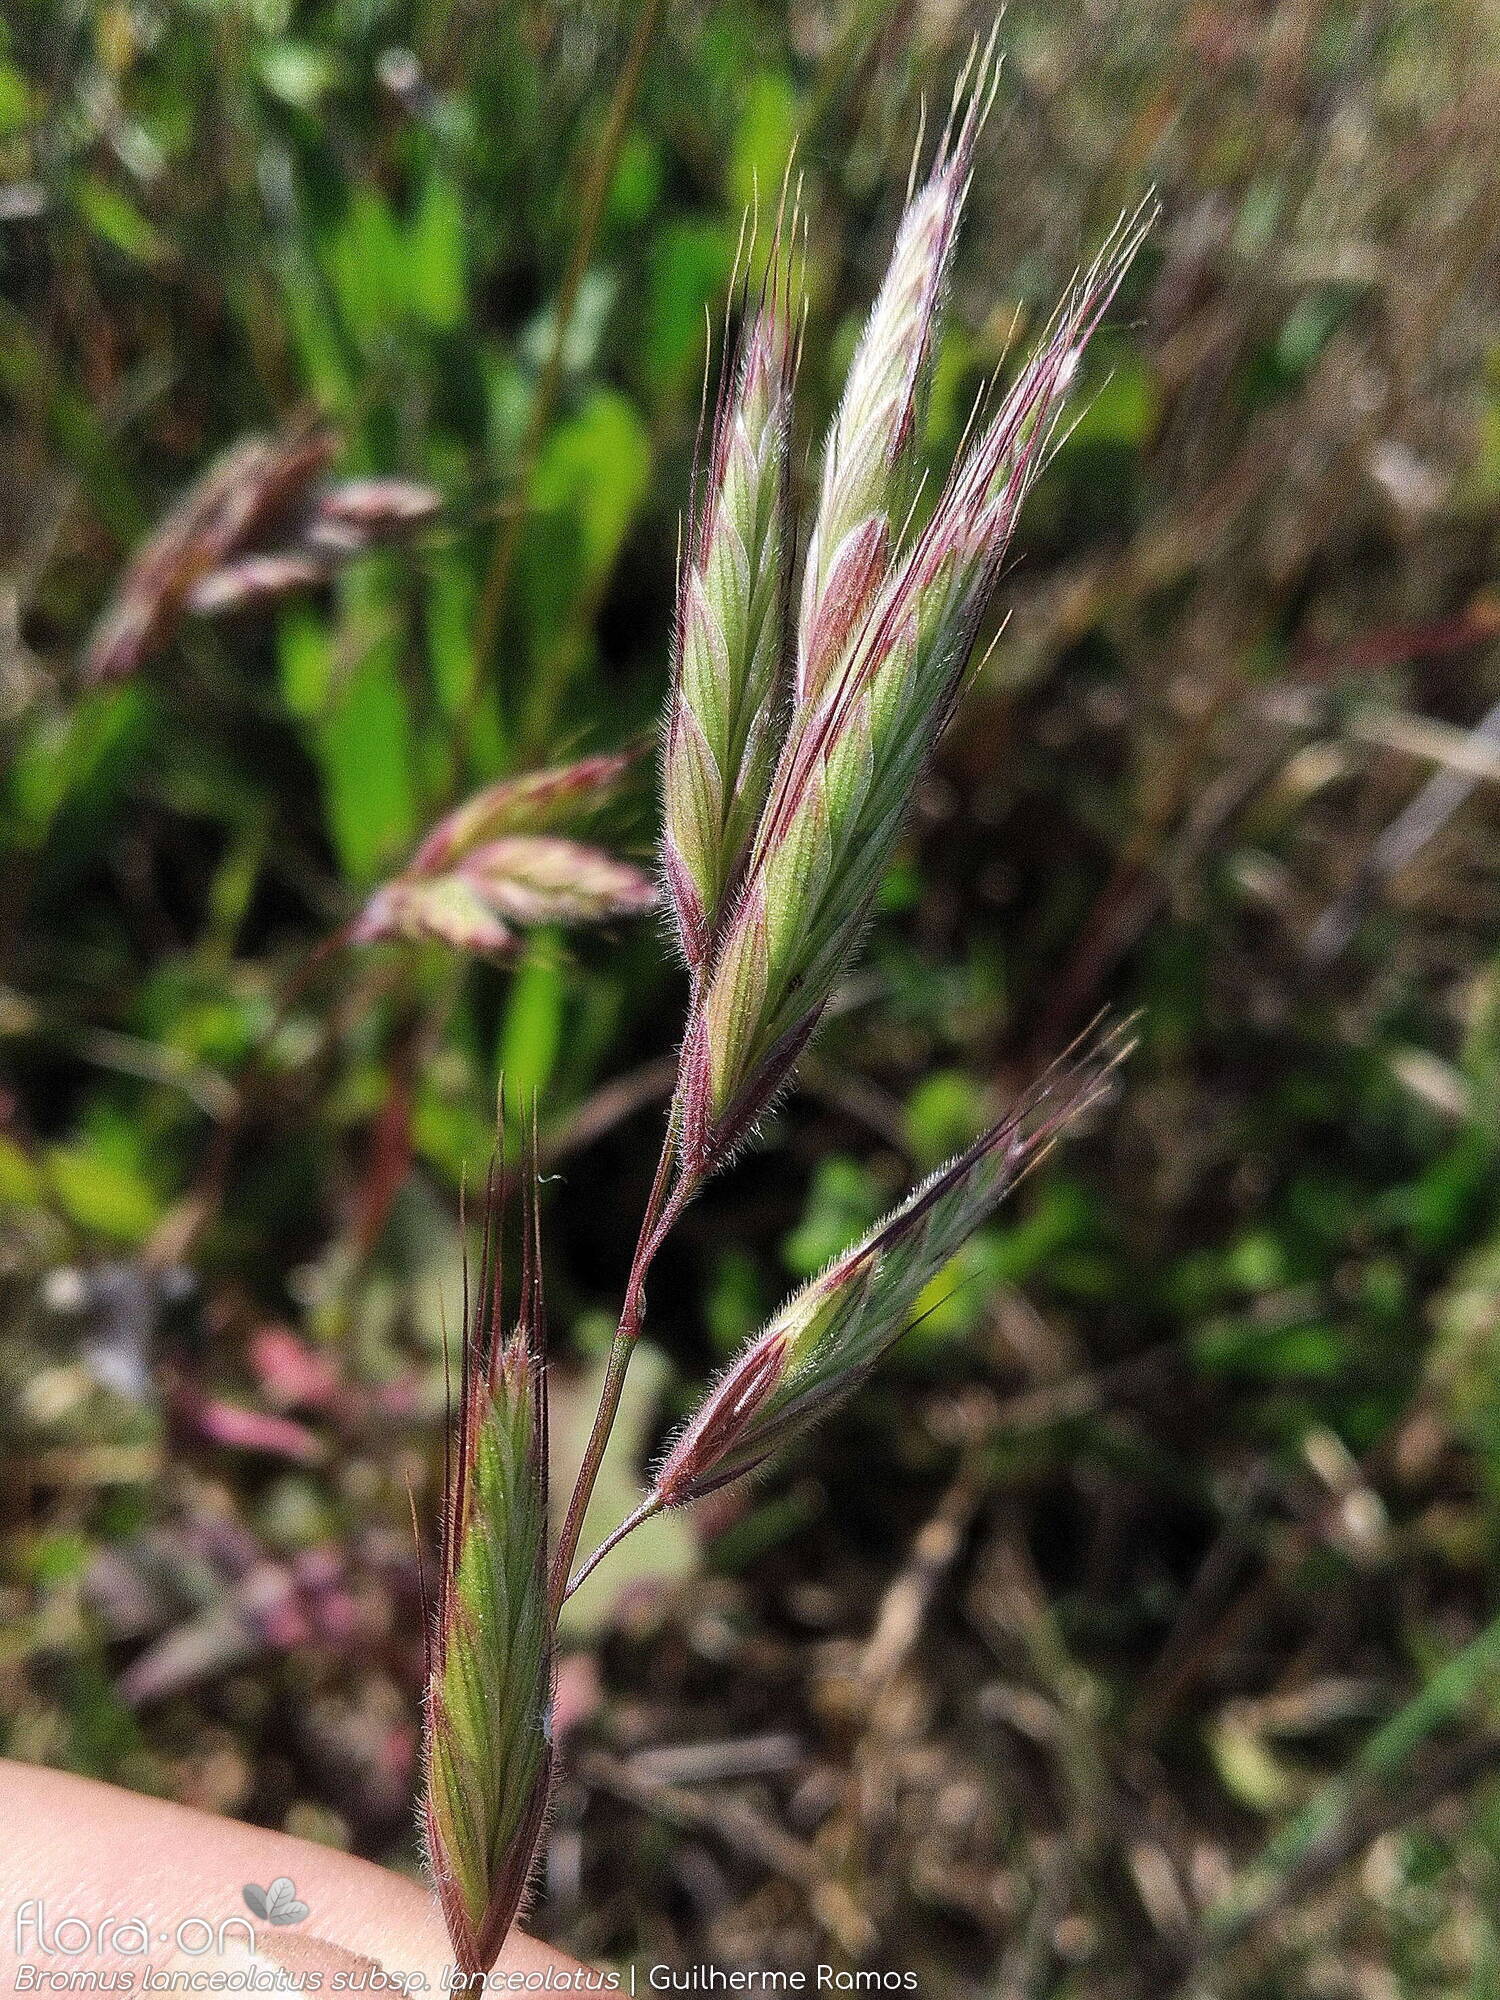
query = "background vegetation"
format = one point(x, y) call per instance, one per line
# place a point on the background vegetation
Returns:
point(1135, 1633)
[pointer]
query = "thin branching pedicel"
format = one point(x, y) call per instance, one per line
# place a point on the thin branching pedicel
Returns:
point(826, 1338)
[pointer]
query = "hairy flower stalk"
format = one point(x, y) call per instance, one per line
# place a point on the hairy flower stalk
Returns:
point(731, 634)
point(488, 1749)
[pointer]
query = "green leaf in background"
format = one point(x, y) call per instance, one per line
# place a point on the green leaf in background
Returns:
point(769, 123)
point(943, 1115)
point(532, 1032)
point(435, 255)
point(1253, 1349)
point(841, 1205)
point(594, 473)
point(590, 482)
point(306, 659)
point(116, 218)
point(103, 1190)
point(78, 754)
point(585, 329)
point(364, 747)
point(451, 605)
point(312, 322)
point(1121, 403)
point(347, 682)
point(367, 266)
point(15, 100)
point(690, 264)
point(1277, 504)
point(636, 187)
point(22, 1182)
point(1058, 1219)
point(297, 73)
point(735, 1301)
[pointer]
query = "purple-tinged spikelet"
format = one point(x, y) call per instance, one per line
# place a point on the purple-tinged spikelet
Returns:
point(731, 639)
point(260, 524)
point(489, 866)
point(829, 1335)
point(854, 752)
point(488, 1737)
point(869, 460)
point(716, 1434)
point(355, 514)
point(257, 485)
point(250, 582)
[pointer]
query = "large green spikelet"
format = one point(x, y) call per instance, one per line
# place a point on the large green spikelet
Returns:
point(491, 1650)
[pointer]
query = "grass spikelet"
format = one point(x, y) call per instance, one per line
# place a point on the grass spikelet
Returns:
point(828, 1336)
point(854, 753)
point(491, 864)
point(869, 460)
point(255, 485)
point(488, 1747)
point(731, 639)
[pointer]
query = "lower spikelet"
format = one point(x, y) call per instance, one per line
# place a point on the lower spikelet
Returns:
point(488, 1747)
point(828, 1336)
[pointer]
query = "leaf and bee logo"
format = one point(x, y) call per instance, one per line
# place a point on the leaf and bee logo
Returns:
point(278, 1904)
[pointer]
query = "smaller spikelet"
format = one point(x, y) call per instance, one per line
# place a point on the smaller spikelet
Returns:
point(250, 582)
point(731, 638)
point(870, 458)
point(532, 802)
point(491, 865)
point(356, 514)
point(488, 1738)
point(257, 485)
point(829, 1335)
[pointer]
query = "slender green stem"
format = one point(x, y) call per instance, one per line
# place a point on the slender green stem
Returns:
point(665, 1203)
point(651, 1505)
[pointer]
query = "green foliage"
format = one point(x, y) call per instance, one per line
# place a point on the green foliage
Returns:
point(1210, 1405)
